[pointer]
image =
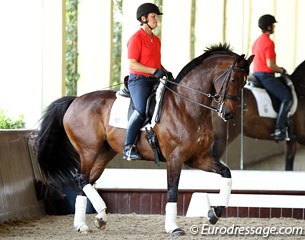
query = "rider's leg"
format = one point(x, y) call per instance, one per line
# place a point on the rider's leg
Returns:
point(134, 125)
point(140, 89)
point(282, 117)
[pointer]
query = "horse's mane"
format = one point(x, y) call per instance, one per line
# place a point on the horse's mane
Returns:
point(298, 78)
point(222, 48)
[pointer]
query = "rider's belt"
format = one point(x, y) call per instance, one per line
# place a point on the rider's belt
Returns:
point(136, 76)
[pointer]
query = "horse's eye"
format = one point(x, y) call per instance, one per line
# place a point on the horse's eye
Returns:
point(233, 80)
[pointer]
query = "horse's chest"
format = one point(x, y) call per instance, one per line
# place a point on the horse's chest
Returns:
point(203, 136)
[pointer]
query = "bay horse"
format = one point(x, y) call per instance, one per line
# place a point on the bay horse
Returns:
point(258, 127)
point(75, 133)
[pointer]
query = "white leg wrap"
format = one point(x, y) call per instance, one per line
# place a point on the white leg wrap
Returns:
point(225, 191)
point(80, 213)
point(96, 200)
point(170, 217)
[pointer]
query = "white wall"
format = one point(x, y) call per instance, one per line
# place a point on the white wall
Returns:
point(21, 58)
point(94, 45)
point(53, 50)
point(32, 42)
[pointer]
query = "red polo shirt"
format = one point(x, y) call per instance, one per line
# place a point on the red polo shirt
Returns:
point(145, 50)
point(263, 49)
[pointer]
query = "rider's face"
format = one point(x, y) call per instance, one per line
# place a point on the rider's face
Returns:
point(271, 28)
point(152, 20)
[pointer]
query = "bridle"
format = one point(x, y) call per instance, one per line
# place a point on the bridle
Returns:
point(218, 97)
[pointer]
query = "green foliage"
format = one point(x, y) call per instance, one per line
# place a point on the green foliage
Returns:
point(157, 31)
point(72, 74)
point(117, 42)
point(7, 122)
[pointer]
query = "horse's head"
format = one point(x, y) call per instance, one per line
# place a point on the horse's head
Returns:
point(228, 86)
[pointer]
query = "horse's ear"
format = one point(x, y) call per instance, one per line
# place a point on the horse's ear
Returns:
point(250, 59)
point(240, 58)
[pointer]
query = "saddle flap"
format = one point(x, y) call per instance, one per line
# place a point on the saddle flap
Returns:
point(123, 107)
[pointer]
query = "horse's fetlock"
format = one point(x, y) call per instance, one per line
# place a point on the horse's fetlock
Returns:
point(81, 180)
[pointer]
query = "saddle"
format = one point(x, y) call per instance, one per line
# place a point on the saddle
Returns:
point(255, 82)
point(269, 108)
point(267, 104)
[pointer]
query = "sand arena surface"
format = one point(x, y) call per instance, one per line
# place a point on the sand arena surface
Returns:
point(142, 227)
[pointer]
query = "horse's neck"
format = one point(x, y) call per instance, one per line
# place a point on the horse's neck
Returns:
point(193, 106)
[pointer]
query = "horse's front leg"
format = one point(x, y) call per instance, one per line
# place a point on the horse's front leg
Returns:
point(173, 176)
point(224, 194)
point(212, 165)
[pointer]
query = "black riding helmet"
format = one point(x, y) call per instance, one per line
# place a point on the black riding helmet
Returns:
point(146, 8)
point(265, 21)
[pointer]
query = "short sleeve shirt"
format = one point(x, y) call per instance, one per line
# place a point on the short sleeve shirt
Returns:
point(145, 50)
point(263, 49)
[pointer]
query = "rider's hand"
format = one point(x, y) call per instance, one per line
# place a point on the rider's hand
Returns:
point(170, 76)
point(160, 73)
point(284, 72)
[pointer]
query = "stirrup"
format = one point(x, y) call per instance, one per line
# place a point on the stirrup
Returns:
point(130, 154)
point(280, 135)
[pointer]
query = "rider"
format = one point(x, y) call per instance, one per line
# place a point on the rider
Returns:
point(265, 68)
point(144, 54)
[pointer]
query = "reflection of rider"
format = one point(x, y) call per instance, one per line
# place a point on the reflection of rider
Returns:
point(265, 68)
point(144, 54)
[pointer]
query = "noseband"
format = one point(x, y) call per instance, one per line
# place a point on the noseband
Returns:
point(224, 87)
point(218, 97)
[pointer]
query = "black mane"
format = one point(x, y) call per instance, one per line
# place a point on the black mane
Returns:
point(224, 48)
point(298, 78)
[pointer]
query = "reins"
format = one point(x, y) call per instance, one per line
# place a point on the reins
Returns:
point(187, 98)
point(215, 97)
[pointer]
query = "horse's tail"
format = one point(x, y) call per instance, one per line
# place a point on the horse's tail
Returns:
point(55, 154)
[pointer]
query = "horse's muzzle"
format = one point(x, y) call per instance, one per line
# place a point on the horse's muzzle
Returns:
point(227, 116)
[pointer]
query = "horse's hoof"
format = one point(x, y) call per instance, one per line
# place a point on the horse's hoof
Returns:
point(177, 232)
point(212, 217)
point(100, 223)
point(84, 229)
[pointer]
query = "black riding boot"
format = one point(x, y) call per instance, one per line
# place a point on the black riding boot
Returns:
point(133, 128)
point(280, 131)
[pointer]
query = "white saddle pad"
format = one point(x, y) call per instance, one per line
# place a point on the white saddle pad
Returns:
point(119, 111)
point(263, 100)
point(264, 103)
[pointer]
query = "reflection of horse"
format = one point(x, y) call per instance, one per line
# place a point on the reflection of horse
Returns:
point(255, 126)
point(184, 132)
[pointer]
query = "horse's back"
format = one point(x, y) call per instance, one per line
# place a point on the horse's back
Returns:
point(91, 109)
point(97, 102)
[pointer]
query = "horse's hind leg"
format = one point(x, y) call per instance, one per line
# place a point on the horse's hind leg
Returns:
point(291, 148)
point(85, 180)
point(80, 206)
